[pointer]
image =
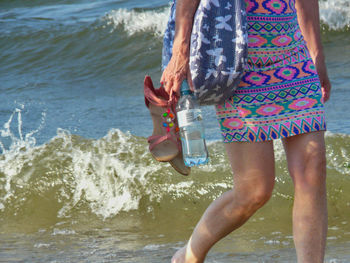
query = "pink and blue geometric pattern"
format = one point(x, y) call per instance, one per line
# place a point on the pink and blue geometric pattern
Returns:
point(269, 109)
point(302, 104)
point(251, 5)
point(287, 73)
point(275, 6)
point(309, 67)
point(256, 41)
point(280, 94)
point(256, 78)
point(282, 40)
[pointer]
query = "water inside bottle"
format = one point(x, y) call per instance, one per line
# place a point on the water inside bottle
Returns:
point(194, 148)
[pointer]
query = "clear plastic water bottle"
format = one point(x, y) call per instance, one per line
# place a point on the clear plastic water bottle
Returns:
point(189, 118)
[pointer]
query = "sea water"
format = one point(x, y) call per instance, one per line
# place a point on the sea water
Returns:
point(77, 182)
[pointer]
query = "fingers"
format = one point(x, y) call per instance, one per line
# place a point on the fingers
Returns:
point(177, 84)
point(172, 82)
point(169, 85)
point(166, 81)
point(323, 75)
point(175, 72)
point(326, 89)
point(325, 86)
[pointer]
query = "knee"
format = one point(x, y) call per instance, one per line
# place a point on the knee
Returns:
point(311, 174)
point(249, 200)
point(258, 197)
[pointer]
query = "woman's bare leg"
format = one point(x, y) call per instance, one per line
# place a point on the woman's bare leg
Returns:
point(307, 166)
point(253, 169)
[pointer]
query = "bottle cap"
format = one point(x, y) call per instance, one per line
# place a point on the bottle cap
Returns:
point(185, 88)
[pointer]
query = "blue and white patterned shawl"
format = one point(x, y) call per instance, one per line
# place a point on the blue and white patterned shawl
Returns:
point(218, 51)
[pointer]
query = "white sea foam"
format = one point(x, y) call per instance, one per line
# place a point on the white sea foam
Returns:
point(64, 232)
point(108, 175)
point(272, 242)
point(104, 179)
point(153, 247)
point(103, 173)
point(41, 245)
point(135, 22)
point(11, 163)
point(335, 14)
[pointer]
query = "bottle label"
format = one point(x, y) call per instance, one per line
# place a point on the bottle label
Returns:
point(187, 117)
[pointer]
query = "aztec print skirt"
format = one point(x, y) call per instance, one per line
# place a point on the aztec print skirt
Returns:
point(280, 93)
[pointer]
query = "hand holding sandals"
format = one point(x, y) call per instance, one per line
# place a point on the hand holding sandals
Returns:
point(176, 71)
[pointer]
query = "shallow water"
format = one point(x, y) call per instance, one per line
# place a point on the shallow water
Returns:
point(76, 181)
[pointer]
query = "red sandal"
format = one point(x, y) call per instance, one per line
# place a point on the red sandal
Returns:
point(164, 143)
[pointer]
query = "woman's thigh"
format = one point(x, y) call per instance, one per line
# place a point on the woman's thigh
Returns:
point(306, 157)
point(253, 164)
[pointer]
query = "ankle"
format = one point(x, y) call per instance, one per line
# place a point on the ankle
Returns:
point(186, 255)
point(193, 254)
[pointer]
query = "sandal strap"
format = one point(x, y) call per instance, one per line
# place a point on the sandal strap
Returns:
point(157, 139)
point(154, 140)
point(160, 98)
point(151, 96)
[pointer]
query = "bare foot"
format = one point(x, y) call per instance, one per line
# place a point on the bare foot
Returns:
point(185, 255)
point(179, 256)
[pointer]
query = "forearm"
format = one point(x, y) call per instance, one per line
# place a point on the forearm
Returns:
point(309, 21)
point(185, 11)
point(178, 67)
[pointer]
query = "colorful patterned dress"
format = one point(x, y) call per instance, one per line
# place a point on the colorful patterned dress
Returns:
point(280, 93)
